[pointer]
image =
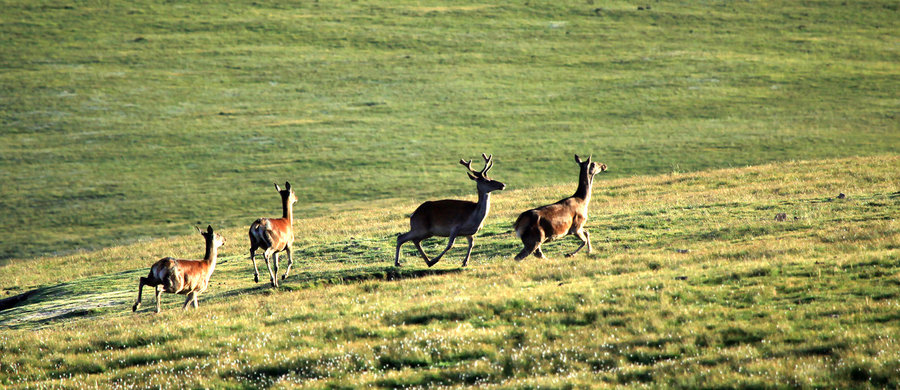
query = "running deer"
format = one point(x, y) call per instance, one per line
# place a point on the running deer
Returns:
point(452, 218)
point(560, 219)
point(274, 235)
point(186, 277)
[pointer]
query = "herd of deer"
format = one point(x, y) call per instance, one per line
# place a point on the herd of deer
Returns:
point(442, 218)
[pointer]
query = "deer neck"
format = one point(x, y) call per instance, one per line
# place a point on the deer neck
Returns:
point(287, 211)
point(212, 254)
point(483, 206)
point(585, 182)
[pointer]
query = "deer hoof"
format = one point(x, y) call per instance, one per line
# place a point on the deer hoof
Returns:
point(570, 254)
point(134, 308)
point(283, 277)
point(256, 278)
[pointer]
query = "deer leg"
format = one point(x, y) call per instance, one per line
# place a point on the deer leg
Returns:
point(582, 235)
point(532, 238)
point(290, 262)
point(587, 237)
point(449, 245)
point(187, 302)
point(266, 255)
point(197, 295)
point(275, 258)
point(529, 247)
point(158, 296)
point(471, 241)
point(253, 259)
point(401, 239)
point(421, 251)
point(137, 303)
point(538, 252)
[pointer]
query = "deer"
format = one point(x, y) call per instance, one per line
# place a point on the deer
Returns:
point(452, 218)
point(274, 235)
point(553, 221)
point(186, 277)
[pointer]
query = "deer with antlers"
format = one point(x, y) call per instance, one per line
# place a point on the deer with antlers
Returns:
point(186, 277)
point(452, 218)
point(560, 219)
point(274, 235)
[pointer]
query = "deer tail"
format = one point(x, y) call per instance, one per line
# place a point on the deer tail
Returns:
point(258, 231)
point(165, 272)
point(525, 220)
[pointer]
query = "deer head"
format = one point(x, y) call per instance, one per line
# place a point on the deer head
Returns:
point(211, 237)
point(287, 193)
point(590, 167)
point(484, 183)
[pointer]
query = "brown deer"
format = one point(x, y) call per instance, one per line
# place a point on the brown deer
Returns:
point(452, 218)
point(274, 235)
point(186, 277)
point(562, 218)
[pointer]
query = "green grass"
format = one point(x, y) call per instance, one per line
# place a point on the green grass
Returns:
point(692, 284)
point(126, 121)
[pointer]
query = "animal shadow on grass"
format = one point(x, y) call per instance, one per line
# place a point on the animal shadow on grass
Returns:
point(49, 304)
point(325, 278)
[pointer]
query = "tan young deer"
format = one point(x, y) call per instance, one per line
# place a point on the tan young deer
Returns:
point(187, 277)
point(274, 235)
point(560, 219)
point(452, 218)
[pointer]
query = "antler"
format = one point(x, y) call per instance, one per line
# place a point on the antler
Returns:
point(488, 163)
point(468, 165)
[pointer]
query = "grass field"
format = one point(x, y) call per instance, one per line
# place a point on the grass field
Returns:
point(127, 121)
point(124, 124)
point(692, 284)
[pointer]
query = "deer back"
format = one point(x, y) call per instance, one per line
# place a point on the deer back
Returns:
point(195, 275)
point(181, 276)
point(440, 217)
point(555, 220)
point(275, 233)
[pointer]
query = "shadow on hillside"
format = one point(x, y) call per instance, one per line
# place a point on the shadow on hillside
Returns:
point(89, 297)
point(96, 296)
point(324, 278)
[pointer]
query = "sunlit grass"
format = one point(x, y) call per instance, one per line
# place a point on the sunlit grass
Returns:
point(692, 283)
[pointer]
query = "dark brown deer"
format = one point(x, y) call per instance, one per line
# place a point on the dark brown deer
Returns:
point(452, 218)
point(274, 235)
point(187, 277)
point(560, 219)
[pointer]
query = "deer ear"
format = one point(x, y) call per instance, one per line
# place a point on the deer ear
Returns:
point(277, 188)
point(577, 159)
point(471, 176)
point(209, 229)
point(287, 186)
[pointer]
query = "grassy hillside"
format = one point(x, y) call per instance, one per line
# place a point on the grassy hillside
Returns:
point(692, 283)
point(123, 121)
